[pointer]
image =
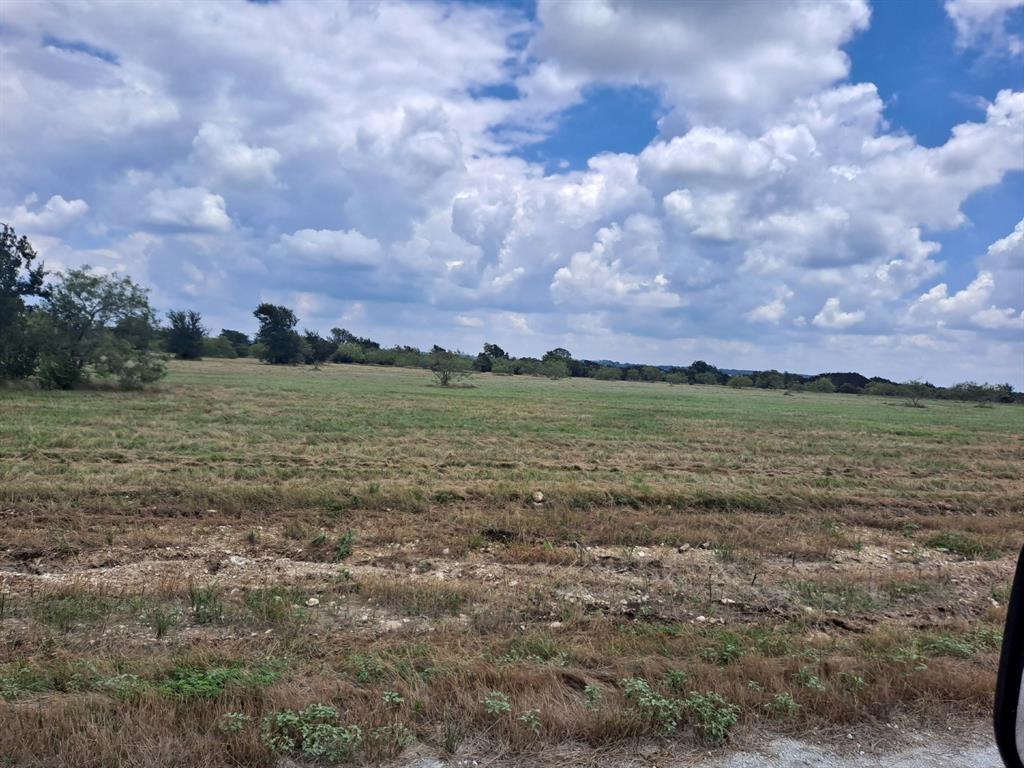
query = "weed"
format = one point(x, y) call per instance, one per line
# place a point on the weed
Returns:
point(593, 695)
point(162, 620)
point(531, 719)
point(313, 732)
point(711, 715)
point(496, 704)
point(782, 705)
point(663, 711)
point(959, 544)
point(343, 546)
point(808, 679)
point(392, 699)
point(233, 722)
point(206, 604)
point(65, 611)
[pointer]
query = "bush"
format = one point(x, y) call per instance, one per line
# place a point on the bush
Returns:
point(218, 347)
point(711, 715)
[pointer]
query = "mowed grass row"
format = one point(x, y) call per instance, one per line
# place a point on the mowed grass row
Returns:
point(241, 436)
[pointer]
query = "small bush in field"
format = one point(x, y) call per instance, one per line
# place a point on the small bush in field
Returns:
point(782, 704)
point(711, 715)
point(531, 719)
point(233, 722)
point(662, 710)
point(496, 704)
point(313, 732)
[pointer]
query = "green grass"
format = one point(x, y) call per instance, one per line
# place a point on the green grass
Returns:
point(240, 436)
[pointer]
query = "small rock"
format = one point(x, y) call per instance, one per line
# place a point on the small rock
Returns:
point(538, 497)
point(727, 601)
point(236, 560)
point(683, 548)
point(312, 602)
point(555, 625)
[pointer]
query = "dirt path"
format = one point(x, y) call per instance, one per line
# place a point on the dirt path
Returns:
point(962, 749)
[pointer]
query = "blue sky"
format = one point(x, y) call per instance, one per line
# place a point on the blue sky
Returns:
point(807, 186)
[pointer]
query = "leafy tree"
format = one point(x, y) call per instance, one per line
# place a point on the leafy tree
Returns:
point(821, 384)
point(483, 363)
point(318, 349)
point(219, 347)
point(705, 377)
point(651, 373)
point(495, 352)
point(741, 381)
point(280, 344)
point(185, 336)
point(238, 340)
point(340, 336)
point(554, 368)
point(608, 373)
point(558, 353)
point(448, 367)
point(916, 390)
point(18, 278)
point(97, 325)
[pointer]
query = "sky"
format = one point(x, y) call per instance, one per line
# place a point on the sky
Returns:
point(808, 186)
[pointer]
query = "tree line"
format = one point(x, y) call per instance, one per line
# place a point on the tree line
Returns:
point(83, 325)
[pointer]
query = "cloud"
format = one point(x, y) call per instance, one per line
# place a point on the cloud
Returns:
point(832, 317)
point(57, 213)
point(734, 60)
point(189, 208)
point(325, 246)
point(983, 22)
point(352, 155)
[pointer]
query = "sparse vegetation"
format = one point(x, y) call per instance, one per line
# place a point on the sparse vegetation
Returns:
point(401, 572)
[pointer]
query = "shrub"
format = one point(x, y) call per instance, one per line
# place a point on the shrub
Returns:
point(711, 715)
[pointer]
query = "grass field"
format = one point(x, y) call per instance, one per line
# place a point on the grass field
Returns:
point(183, 566)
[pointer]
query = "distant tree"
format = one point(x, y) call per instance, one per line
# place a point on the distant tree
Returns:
point(98, 325)
point(916, 390)
point(340, 336)
point(554, 368)
point(495, 352)
point(705, 377)
point(317, 349)
point(185, 335)
point(741, 381)
point(882, 388)
point(821, 384)
point(483, 363)
point(770, 379)
point(219, 347)
point(19, 277)
point(448, 367)
point(677, 377)
point(280, 344)
point(608, 373)
point(633, 374)
point(558, 353)
point(651, 373)
point(847, 388)
point(238, 340)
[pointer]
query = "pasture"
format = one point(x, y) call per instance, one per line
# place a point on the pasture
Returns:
point(487, 570)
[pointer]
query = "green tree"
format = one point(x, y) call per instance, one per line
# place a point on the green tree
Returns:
point(19, 277)
point(495, 352)
point(185, 335)
point(554, 368)
point(821, 384)
point(448, 367)
point(741, 381)
point(705, 377)
point(279, 343)
point(97, 325)
point(317, 349)
point(558, 353)
point(238, 340)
